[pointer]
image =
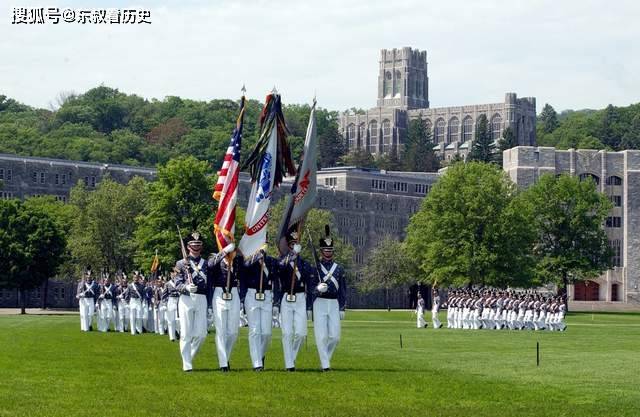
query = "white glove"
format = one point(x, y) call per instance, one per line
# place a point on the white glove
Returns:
point(229, 248)
point(276, 311)
point(309, 315)
point(210, 314)
point(322, 288)
point(241, 307)
point(342, 315)
point(192, 288)
point(297, 248)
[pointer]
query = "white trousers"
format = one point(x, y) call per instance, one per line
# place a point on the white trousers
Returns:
point(123, 315)
point(293, 319)
point(227, 321)
point(420, 322)
point(105, 315)
point(449, 317)
point(435, 319)
point(87, 309)
point(135, 315)
point(259, 317)
point(528, 319)
point(193, 326)
point(172, 317)
point(326, 328)
point(161, 320)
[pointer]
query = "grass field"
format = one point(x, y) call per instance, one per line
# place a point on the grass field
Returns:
point(49, 368)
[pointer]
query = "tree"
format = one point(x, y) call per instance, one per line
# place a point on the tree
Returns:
point(483, 149)
point(549, 119)
point(388, 266)
point(389, 161)
point(104, 225)
point(507, 141)
point(359, 158)
point(568, 215)
point(418, 154)
point(181, 196)
point(472, 230)
point(31, 247)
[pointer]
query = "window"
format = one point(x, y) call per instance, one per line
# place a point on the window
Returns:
point(93, 182)
point(359, 240)
point(379, 185)
point(400, 186)
point(421, 189)
point(586, 176)
point(393, 206)
point(362, 134)
point(616, 258)
point(1, 173)
point(62, 198)
point(331, 181)
point(496, 127)
point(64, 179)
point(439, 131)
point(55, 292)
point(62, 293)
point(9, 175)
point(616, 200)
point(42, 178)
point(57, 179)
point(614, 221)
point(397, 83)
point(322, 201)
point(386, 136)
point(358, 258)
point(86, 181)
point(614, 180)
point(359, 204)
point(352, 140)
point(373, 137)
point(454, 129)
point(6, 195)
point(344, 221)
point(379, 206)
point(467, 129)
point(34, 177)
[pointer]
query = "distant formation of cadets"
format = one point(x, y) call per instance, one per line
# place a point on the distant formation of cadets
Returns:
point(227, 291)
point(500, 309)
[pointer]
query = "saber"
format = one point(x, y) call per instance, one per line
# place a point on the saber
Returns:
point(184, 256)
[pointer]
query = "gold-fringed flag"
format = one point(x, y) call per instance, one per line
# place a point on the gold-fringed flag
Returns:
point(226, 189)
point(155, 265)
point(268, 162)
point(303, 190)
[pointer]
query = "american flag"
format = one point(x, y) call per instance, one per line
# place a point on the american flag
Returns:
point(226, 189)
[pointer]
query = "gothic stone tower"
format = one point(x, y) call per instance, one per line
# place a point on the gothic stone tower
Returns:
point(402, 80)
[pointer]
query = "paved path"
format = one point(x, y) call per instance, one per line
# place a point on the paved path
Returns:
point(36, 311)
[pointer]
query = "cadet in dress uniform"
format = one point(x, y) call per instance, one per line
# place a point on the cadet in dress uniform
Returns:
point(420, 321)
point(107, 304)
point(258, 286)
point(172, 295)
point(294, 311)
point(435, 309)
point(160, 305)
point(328, 296)
point(147, 307)
point(135, 298)
point(87, 295)
point(226, 267)
point(123, 305)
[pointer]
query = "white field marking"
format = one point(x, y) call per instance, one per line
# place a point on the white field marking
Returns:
point(568, 326)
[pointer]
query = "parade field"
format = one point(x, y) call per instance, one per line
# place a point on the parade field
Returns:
point(49, 368)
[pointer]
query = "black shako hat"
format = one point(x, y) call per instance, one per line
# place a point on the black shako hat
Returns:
point(326, 242)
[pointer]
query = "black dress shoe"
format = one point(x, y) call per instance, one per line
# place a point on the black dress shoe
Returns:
point(326, 369)
point(187, 370)
point(291, 369)
point(224, 369)
point(258, 369)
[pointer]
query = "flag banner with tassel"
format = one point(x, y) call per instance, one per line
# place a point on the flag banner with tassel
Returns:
point(155, 265)
point(303, 190)
point(226, 189)
point(269, 161)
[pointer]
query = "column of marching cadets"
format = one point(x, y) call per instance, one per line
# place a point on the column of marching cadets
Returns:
point(226, 291)
point(497, 310)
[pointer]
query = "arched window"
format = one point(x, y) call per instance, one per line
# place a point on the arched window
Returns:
point(454, 129)
point(386, 136)
point(587, 175)
point(388, 82)
point(397, 83)
point(362, 134)
point(614, 180)
point(373, 136)
point(439, 131)
point(467, 129)
point(352, 140)
point(429, 126)
point(496, 127)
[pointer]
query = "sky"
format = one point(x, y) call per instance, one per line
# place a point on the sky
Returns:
point(573, 54)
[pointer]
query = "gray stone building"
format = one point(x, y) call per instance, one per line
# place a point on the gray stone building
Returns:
point(403, 95)
point(617, 175)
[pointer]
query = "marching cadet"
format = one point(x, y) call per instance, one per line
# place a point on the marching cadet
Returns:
point(123, 305)
point(147, 307)
point(87, 295)
point(160, 310)
point(435, 308)
point(328, 295)
point(420, 321)
point(295, 275)
point(136, 296)
point(258, 284)
point(225, 267)
point(194, 283)
point(107, 304)
point(172, 295)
